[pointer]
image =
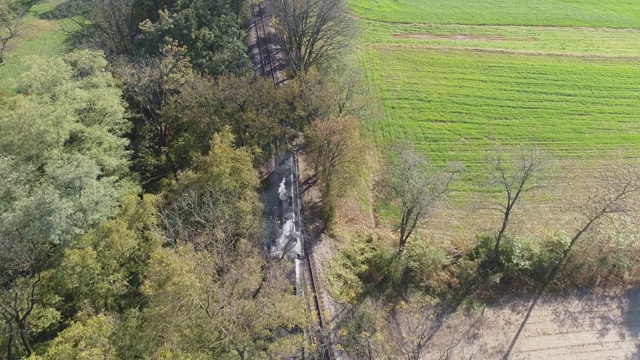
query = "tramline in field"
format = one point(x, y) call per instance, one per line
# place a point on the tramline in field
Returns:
point(566, 80)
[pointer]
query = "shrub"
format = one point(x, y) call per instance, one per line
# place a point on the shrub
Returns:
point(345, 270)
point(422, 263)
point(371, 265)
point(527, 259)
point(609, 255)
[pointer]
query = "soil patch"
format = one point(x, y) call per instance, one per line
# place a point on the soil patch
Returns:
point(583, 325)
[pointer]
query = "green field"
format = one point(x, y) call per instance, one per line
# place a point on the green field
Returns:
point(599, 13)
point(457, 90)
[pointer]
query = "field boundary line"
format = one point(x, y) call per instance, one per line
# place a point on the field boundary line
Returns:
point(533, 26)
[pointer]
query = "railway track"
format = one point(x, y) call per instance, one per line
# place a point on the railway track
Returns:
point(266, 48)
point(320, 331)
point(270, 66)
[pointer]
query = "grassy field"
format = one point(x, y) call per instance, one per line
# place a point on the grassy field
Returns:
point(39, 36)
point(457, 90)
point(585, 42)
point(599, 13)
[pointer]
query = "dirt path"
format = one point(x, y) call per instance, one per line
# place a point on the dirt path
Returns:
point(578, 326)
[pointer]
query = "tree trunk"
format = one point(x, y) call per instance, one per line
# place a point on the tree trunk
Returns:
point(10, 342)
point(404, 224)
point(24, 336)
point(503, 229)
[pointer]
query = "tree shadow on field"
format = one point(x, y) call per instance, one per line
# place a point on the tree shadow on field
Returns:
point(573, 317)
point(538, 294)
point(61, 11)
point(64, 14)
point(632, 317)
point(451, 302)
point(27, 4)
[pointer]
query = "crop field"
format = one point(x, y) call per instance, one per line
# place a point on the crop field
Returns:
point(456, 88)
point(598, 13)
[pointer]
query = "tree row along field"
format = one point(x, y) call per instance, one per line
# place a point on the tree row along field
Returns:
point(456, 91)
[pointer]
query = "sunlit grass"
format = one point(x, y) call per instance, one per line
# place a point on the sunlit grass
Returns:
point(458, 90)
point(39, 37)
point(457, 104)
point(599, 13)
point(525, 39)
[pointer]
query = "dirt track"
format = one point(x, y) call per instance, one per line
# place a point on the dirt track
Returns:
point(579, 326)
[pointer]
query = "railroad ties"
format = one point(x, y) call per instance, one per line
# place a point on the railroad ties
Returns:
point(270, 65)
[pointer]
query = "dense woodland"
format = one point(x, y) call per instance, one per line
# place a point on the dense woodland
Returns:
point(130, 220)
point(129, 207)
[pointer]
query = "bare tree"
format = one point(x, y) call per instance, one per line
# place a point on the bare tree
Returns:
point(21, 263)
point(365, 331)
point(514, 173)
point(333, 145)
point(17, 301)
point(11, 15)
point(414, 324)
point(109, 24)
point(348, 93)
point(310, 31)
point(616, 195)
point(410, 183)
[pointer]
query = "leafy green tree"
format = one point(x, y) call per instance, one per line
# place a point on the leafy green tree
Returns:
point(365, 333)
point(213, 293)
point(63, 168)
point(253, 111)
point(177, 112)
point(261, 117)
point(216, 202)
point(86, 339)
point(67, 106)
point(149, 85)
point(102, 270)
point(92, 290)
point(210, 30)
point(62, 150)
point(338, 154)
point(249, 107)
point(307, 98)
point(108, 24)
point(230, 306)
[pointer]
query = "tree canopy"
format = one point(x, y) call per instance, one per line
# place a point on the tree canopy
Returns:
point(63, 157)
point(63, 168)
